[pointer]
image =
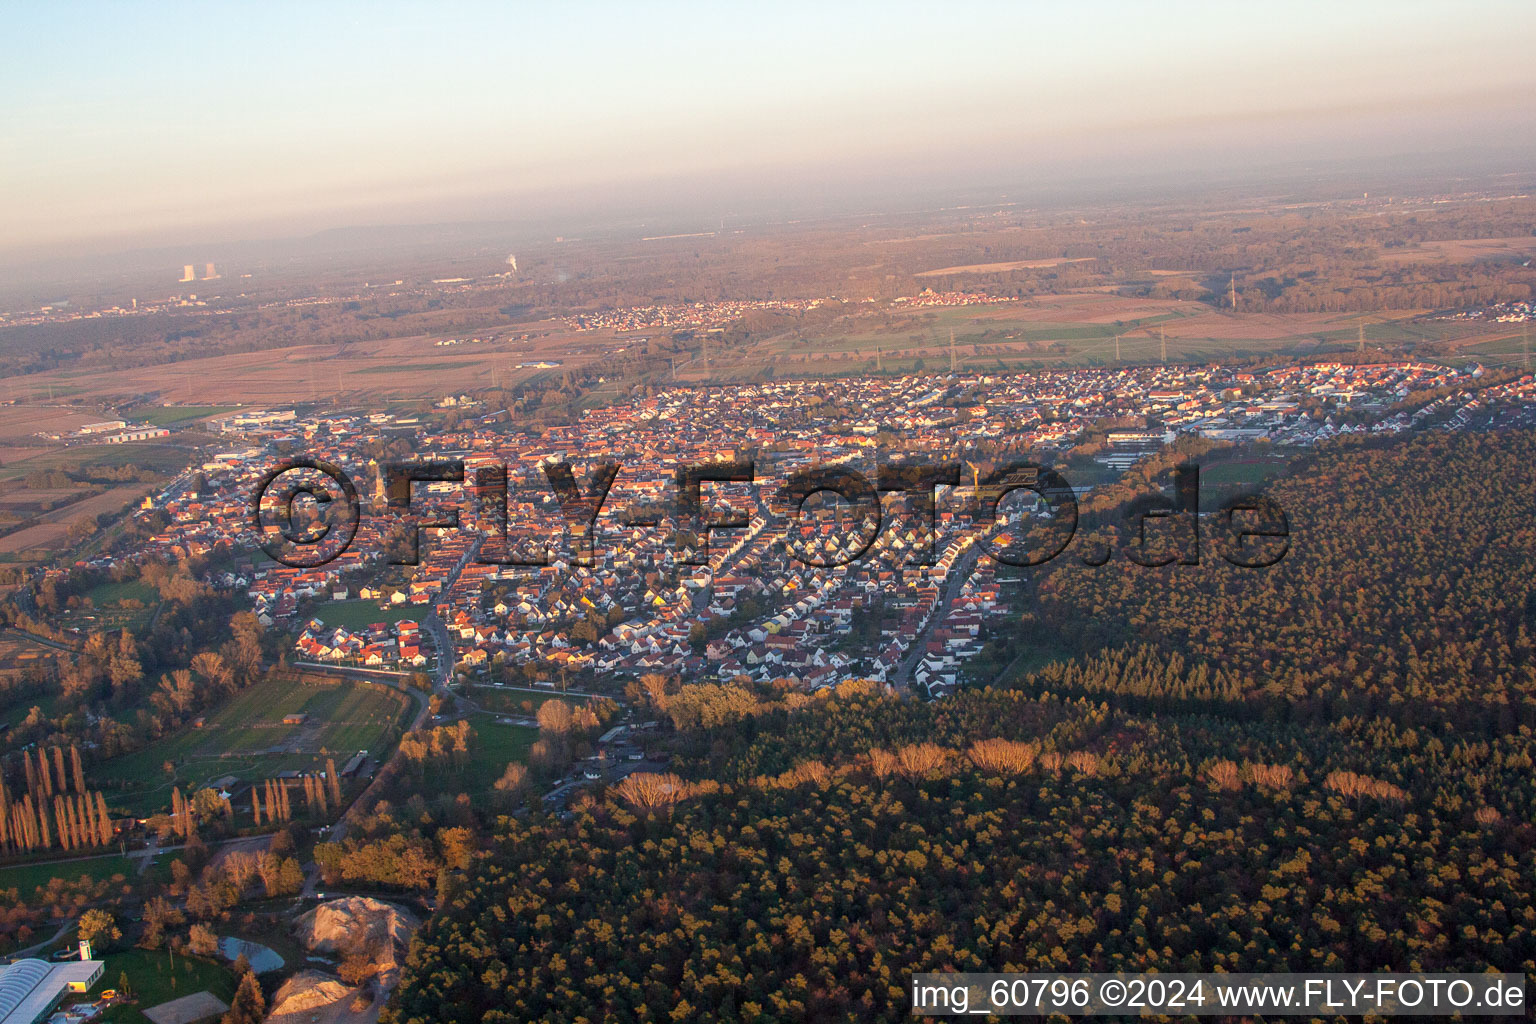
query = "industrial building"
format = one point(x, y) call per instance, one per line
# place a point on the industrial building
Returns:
point(138, 434)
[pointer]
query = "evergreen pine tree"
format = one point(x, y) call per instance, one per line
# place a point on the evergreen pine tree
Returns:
point(249, 1006)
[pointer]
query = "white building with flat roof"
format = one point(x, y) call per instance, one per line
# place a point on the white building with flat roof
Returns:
point(30, 989)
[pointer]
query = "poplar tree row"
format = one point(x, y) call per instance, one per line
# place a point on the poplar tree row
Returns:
point(321, 795)
point(47, 777)
point(71, 821)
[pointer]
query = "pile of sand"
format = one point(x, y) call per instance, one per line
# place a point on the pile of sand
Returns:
point(306, 993)
point(342, 925)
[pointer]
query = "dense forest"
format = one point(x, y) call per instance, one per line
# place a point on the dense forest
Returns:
point(1406, 593)
point(1326, 765)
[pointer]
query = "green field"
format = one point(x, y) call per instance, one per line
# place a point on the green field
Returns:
point(170, 415)
point(1512, 348)
point(510, 702)
point(1223, 480)
point(104, 594)
point(28, 877)
point(158, 977)
point(355, 615)
point(1079, 342)
point(48, 702)
point(1032, 659)
point(1241, 473)
point(493, 746)
point(106, 611)
point(160, 457)
point(247, 738)
point(1004, 340)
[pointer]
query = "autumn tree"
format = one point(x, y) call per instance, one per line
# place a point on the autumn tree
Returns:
point(99, 928)
point(649, 791)
point(512, 784)
point(1001, 756)
point(202, 941)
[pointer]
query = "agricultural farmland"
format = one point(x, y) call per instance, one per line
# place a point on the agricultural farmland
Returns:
point(374, 370)
point(20, 652)
point(1087, 329)
point(49, 533)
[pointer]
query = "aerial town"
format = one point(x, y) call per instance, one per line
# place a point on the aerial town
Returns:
point(713, 513)
point(768, 602)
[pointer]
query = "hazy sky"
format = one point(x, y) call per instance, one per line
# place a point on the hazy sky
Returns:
point(156, 121)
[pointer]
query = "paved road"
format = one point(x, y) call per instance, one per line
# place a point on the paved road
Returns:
point(44, 641)
point(550, 692)
point(147, 856)
point(38, 946)
point(146, 853)
point(66, 860)
point(954, 580)
point(443, 672)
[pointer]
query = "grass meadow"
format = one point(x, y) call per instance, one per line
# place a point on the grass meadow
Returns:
point(247, 738)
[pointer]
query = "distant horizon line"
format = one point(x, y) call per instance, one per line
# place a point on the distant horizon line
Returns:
point(630, 212)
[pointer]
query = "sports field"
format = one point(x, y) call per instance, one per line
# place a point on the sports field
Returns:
point(248, 739)
point(1220, 480)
